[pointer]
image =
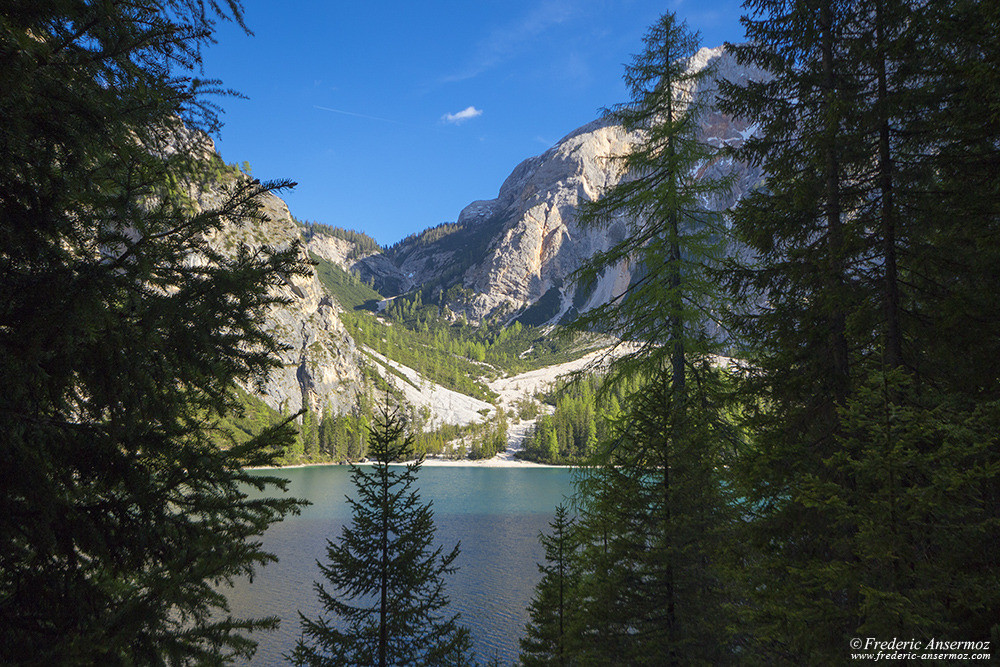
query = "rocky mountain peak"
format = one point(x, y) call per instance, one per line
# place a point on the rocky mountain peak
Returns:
point(513, 255)
point(541, 242)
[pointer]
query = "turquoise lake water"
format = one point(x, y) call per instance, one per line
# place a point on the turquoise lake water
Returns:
point(496, 513)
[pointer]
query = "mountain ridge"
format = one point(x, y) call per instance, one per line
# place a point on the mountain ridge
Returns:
point(520, 248)
point(503, 259)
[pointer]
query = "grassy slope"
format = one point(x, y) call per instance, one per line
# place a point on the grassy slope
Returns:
point(420, 335)
point(345, 287)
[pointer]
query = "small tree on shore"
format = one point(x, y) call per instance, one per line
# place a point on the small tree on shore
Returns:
point(386, 603)
point(546, 638)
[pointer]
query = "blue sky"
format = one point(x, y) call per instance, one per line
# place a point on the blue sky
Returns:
point(393, 116)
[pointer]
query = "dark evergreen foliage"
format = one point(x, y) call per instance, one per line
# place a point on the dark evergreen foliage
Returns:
point(491, 438)
point(123, 334)
point(345, 437)
point(655, 531)
point(857, 395)
point(426, 237)
point(800, 294)
point(868, 463)
point(386, 602)
point(549, 634)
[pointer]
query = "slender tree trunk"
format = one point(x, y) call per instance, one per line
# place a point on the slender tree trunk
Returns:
point(671, 608)
point(835, 232)
point(674, 280)
point(562, 579)
point(383, 631)
point(677, 380)
point(893, 335)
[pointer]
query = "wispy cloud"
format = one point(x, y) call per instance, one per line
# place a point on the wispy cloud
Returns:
point(360, 115)
point(504, 42)
point(462, 116)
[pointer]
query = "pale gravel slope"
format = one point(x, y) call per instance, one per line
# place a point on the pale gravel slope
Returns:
point(446, 406)
point(451, 407)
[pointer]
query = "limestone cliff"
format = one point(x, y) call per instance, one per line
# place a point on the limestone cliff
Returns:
point(542, 242)
point(321, 367)
point(518, 250)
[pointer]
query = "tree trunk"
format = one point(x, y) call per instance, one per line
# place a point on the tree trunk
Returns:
point(893, 335)
point(383, 632)
point(835, 232)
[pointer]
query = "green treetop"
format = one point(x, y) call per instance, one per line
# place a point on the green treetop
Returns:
point(386, 603)
point(673, 241)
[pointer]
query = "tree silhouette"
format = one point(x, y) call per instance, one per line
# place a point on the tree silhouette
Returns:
point(124, 332)
point(386, 602)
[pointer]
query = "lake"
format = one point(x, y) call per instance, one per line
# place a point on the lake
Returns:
point(496, 513)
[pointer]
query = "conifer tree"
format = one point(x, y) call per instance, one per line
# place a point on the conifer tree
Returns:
point(908, 428)
point(957, 272)
point(309, 433)
point(386, 603)
point(655, 538)
point(799, 291)
point(673, 239)
point(604, 572)
point(549, 639)
point(953, 265)
point(123, 336)
point(859, 432)
point(655, 508)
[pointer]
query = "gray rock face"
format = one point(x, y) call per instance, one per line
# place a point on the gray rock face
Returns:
point(321, 367)
point(513, 250)
point(542, 243)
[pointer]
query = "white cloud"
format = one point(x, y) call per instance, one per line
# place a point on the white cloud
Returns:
point(462, 116)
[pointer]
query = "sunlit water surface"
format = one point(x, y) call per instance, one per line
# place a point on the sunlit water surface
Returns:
point(496, 513)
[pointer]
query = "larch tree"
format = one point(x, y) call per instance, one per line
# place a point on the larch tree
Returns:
point(123, 336)
point(649, 522)
point(674, 240)
point(386, 601)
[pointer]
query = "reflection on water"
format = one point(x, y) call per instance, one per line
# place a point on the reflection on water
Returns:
point(497, 514)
